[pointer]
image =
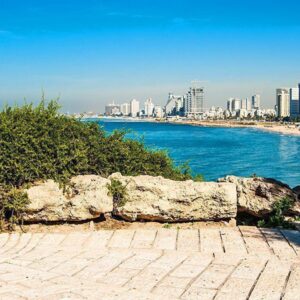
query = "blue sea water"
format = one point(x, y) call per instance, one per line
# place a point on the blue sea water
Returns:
point(216, 152)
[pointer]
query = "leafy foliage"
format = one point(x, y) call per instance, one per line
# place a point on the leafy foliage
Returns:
point(38, 143)
point(276, 218)
point(118, 192)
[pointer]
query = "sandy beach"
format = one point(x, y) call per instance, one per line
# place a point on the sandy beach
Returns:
point(272, 127)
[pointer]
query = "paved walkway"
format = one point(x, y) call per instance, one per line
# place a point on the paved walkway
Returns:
point(210, 263)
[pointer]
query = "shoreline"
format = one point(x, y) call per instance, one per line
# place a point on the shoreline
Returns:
point(292, 130)
point(274, 127)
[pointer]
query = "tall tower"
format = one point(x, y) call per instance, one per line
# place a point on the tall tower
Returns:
point(194, 100)
point(256, 102)
point(294, 102)
point(283, 102)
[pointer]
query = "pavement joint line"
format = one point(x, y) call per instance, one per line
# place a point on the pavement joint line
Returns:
point(7, 239)
point(176, 240)
point(28, 242)
point(222, 241)
point(122, 261)
point(199, 240)
point(243, 238)
point(286, 283)
point(13, 246)
point(196, 277)
point(88, 265)
point(227, 277)
point(287, 240)
point(266, 240)
point(256, 280)
point(33, 247)
point(110, 238)
point(168, 273)
point(155, 236)
point(132, 238)
point(150, 262)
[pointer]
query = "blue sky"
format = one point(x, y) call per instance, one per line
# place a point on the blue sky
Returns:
point(92, 52)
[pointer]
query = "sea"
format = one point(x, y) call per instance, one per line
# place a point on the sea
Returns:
point(216, 152)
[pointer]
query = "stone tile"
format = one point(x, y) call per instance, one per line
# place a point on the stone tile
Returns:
point(143, 239)
point(188, 240)
point(210, 240)
point(166, 239)
point(121, 239)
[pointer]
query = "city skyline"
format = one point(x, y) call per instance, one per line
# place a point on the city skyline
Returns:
point(90, 54)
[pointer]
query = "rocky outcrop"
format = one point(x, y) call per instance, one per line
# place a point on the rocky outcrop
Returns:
point(256, 196)
point(87, 199)
point(159, 199)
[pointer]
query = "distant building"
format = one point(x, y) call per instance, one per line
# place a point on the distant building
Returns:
point(174, 105)
point(134, 107)
point(236, 104)
point(294, 102)
point(283, 102)
point(125, 109)
point(149, 107)
point(158, 111)
point(229, 104)
point(299, 97)
point(256, 102)
point(112, 109)
point(193, 104)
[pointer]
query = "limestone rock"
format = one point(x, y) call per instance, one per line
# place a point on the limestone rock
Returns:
point(256, 196)
point(88, 200)
point(159, 199)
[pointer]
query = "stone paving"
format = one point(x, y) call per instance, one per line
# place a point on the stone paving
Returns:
point(209, 263)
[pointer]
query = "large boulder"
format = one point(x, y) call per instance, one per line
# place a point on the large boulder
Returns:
point(86, 198)
point(158, 199)
point(256, 196)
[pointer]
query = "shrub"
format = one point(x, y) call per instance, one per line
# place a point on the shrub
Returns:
point(118, 192)
point(277, 217)
point(38, 143)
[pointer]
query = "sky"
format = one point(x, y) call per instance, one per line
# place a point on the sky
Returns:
point(91, 52)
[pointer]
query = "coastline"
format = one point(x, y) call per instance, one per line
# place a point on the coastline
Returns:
point(271, 127)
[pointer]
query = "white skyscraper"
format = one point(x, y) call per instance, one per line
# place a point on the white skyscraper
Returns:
point(256, 102)
point(294, 102)
point(134, 107)
point(149, 107)
point(194, 101)
point(283, 102)
point(125, 109)
point(236, 104)
point(174, 105)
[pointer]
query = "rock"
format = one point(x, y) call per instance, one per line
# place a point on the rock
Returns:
point(89, 199)
point(256, 196)
point(158, 199)
point(296, 190)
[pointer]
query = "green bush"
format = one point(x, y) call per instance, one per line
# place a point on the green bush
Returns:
point(277, 217)
point(38, 143)
point(118, 192)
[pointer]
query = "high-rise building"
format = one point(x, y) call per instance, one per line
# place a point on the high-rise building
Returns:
point(229, 104)
point(256, 102)
point(244, 104)
point(174, 105)
point(149, 107)
point(294, 102)
point(283, 102)
point(112, 109)
point(194, 101)
point(248, 104)
point(125, 109)
point(299, 97)
point(236, 104)
point(134, 107)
